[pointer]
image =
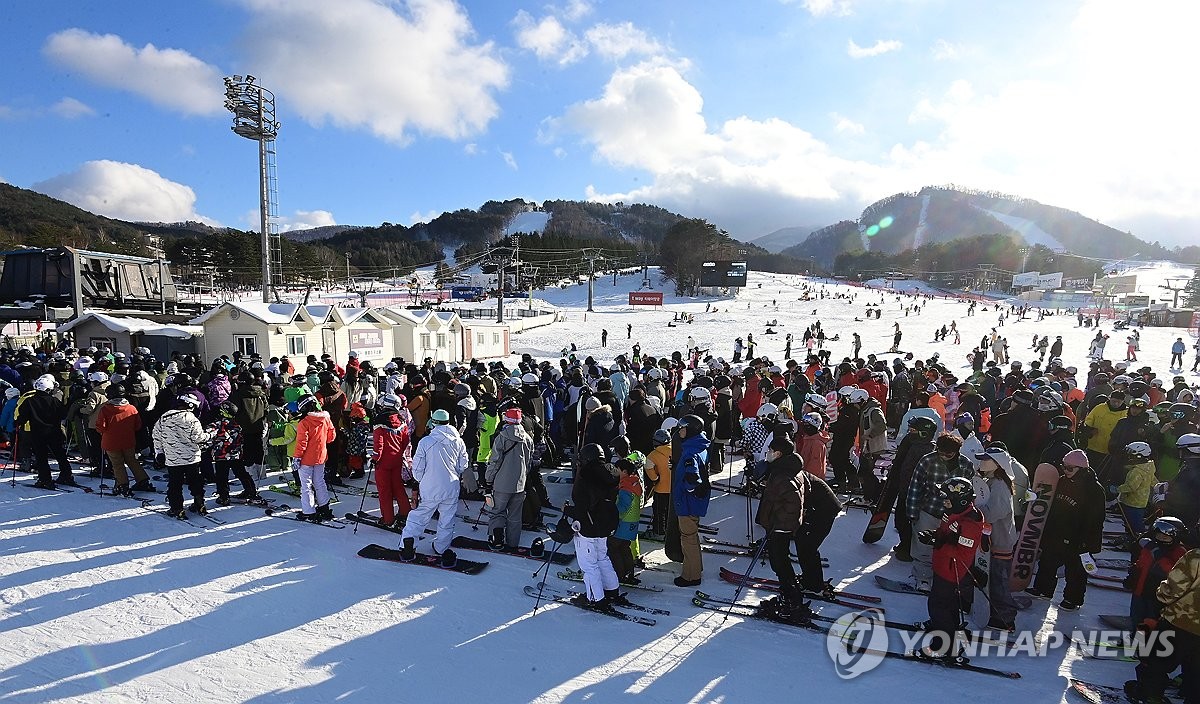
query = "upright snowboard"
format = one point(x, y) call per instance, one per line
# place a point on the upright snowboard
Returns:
point(1025, 555)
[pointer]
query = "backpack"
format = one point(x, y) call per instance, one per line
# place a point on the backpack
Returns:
point(136, 386)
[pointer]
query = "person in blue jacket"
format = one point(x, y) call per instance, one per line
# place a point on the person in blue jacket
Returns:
point(690, 490)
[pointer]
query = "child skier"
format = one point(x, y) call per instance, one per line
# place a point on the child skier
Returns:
point(227, 455)
point(356, 440)
point(393, 463)
point(954, 542)
point(623, 548)
point(1156, 555)
point(1134, 494)
point(313, 432)
point(658, 471)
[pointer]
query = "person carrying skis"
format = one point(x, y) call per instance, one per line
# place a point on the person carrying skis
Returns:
point(780, 512)
point(508, 464)
point(314, 433)
point(178, 439)
point(954, 543)
point(1073, 528)
point(439, 465)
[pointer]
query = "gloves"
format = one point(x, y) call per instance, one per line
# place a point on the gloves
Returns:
point(575, 526)
point(160, 461)
point(295, 464)
point(927, 537)
point(980, 577)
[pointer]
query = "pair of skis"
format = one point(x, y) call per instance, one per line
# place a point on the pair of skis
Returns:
point(550, 594)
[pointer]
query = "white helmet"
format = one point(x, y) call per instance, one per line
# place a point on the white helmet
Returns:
point(812, 420)
point(389, 401)
point(859, 396)
point(668, 423)
point(1120, 379)
point(12, 392)
point(1189, 442)
point(98, 377)
point(768, 411)
point(1047, 402)
point(44, 382)
point(816, 400)
point(654, 373)
point(845, 391)
point(1139, 450)
point(699, 393)
point(614, 368)
point(529, 378)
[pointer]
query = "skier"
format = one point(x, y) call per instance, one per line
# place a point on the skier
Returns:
point(1134, 493)
point(439, 465)
point(40, 415)
point(690, 491)
point(954, 542)
point(924, 504)
point(391, 447)
point(178, 439)
point(314, 433)
point(604, 338)
point(228, 441)
point(1154, 557)
point(780, 513)
point(1073, 527)
point(623, 547)
point(1177, 350)
point(511, 458)
point(118, 423)
point(594, 518)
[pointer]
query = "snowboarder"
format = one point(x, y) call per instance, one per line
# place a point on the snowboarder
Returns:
point(1073, 528)
point(924, 502)
point(439, 465)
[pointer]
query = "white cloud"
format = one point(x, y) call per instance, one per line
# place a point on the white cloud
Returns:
point(124, 191)
point(845, 125)
point(822, 8)
point(170, 78)
point(471, 149)
point(417, 216)
point(616, 41)
point(881, 46)
point(387, 67)
point(548, 39)
point(509, 159)
point(577, 10)
point(300, 220)
point(559, 152)
point(70, 109)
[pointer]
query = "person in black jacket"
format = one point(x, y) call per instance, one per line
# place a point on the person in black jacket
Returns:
point(821, 507)
point(594, 517)
point(780, 513)
point(844, 430)
point(1062, 441)
point(1073, 527)
point(42, 415)
point(641, 420)
point(1134, 427)
point(915, 444)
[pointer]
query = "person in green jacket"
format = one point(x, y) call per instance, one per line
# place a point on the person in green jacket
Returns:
point(489, 422)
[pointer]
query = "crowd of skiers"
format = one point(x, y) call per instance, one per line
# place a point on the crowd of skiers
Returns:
point(655, 430)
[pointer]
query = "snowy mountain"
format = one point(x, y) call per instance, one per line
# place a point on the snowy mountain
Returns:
point(780, 240)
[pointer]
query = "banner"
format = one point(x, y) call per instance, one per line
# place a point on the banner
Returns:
point(1029, 278)
point(466, 293)
point(645, 298)
point(1049, 281)
point(367, 343)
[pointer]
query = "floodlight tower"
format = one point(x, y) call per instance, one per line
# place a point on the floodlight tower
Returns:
point(253, 108)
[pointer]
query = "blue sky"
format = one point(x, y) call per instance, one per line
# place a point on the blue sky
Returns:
point(755, 115)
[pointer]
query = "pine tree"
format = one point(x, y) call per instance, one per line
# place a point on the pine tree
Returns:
point(1191, 292)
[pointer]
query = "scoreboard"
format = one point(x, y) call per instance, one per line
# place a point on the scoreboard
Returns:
point(725, 274)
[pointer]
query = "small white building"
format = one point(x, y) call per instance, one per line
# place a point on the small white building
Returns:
point(482, 340)
point(417, 334)
point(366, 331)
point(123, 334)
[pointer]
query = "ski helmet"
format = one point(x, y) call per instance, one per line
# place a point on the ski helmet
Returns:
point(114, 391)
point(439, 417)
point(1060, 423)
point(1023, 397)
point(816, 400)
point(693, 425)
point(964, 419)
point(462, 390)
point(922, 427)
point(812, 420)
point(958, 491)
point(193, 401)
point(1138, 450)
point(44, 382)
point(767, 413)
point(1170, 529)
point(1188, 444)
point(1182, 411)
point(662, 437)
point(699, 393)
point(858, 396)
point(562, 533)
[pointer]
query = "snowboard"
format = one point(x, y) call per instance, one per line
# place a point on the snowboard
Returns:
point(378, 552)
point(466, 543)
point(895, 585)
point(1043, 485)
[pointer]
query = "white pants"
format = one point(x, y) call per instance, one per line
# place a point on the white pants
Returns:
point(312, 479)
point(419, 517)
point(598, 572)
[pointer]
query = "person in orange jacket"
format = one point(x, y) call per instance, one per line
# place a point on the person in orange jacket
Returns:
point(812, 444)
point(314, 431)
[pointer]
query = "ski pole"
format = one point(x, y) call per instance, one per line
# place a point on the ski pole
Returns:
point(361, 504)
point(745, 578)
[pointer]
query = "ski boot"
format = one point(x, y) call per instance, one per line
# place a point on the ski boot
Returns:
point(223, 501)
point(180, 514)
point(496, 540)
point(408, 551)
point(247, 495)
point(324, 513)
point(614, 597)
point(122, 490)
point(67, 480)
point(142, 485)
point(398, 523)
point(45, 484)
point(449, 559)
point(199, 508)
point(825, 591)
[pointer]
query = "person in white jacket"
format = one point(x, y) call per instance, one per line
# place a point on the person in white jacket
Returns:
point(178, 440)
point(439, 465)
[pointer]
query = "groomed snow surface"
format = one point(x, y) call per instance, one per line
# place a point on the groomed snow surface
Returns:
point(106, 602)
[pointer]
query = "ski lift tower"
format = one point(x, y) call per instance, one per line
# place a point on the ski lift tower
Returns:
point(253, 108)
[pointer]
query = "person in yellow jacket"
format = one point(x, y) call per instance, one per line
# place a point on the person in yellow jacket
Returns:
point(1176, 636)
point(1134, 494)
point(658, 471)
point(1098, 426)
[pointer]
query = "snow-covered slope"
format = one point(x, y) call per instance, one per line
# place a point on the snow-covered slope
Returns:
point(102, 601)
point(1030, 231)
point(528, 222)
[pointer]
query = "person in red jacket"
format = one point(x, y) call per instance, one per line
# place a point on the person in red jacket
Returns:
point(313, 433)
point(752, 397)
point(1156, 557)
point(954, 542)
point(812, 444)
point(392, 462)
point(118, 424)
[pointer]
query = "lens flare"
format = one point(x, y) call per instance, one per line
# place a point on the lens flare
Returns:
point(872, 231)
point(886, 221)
